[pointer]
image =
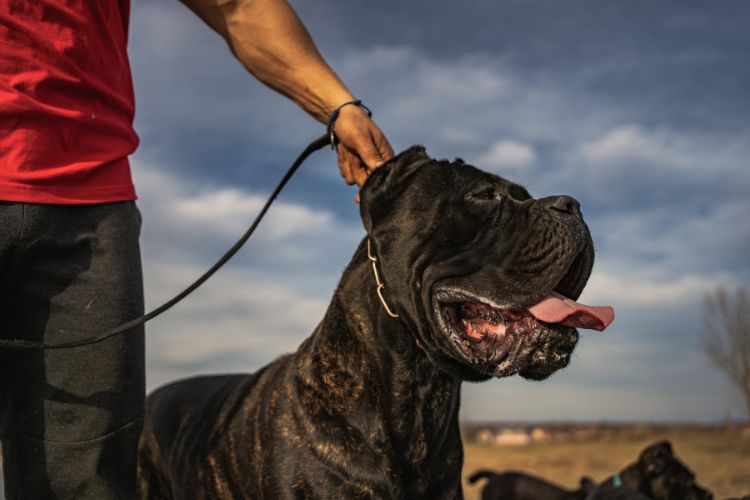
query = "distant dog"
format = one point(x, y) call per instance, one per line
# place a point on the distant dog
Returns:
point(521, 486)
point(467, 278)
point(657, 473)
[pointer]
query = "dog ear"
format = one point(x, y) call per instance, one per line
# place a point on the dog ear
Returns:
point(387, 182)
point(587, 485)
point(655, 458)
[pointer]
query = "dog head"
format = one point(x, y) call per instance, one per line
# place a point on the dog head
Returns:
point(667, 477)
point(468, 260)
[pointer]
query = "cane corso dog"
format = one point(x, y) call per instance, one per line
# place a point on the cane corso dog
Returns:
point(462, 276)
point(657, 473)
point(513, 485)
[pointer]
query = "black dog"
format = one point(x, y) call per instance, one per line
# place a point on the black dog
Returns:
point(658, 474)
point(522, 486)
point(367, 407)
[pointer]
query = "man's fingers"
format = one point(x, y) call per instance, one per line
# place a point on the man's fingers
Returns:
point(358, 169)
point(353, 169)
point(344, 164)
point(385, 149)
point(374, 150)
point(369, 154)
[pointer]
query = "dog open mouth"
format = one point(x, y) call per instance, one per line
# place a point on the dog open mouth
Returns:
point(486, 335)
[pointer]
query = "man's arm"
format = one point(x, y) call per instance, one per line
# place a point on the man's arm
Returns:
point(272, 43)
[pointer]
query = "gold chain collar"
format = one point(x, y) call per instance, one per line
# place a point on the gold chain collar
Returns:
point(380, 284)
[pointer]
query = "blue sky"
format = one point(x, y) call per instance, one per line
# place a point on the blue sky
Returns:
point(638, 109)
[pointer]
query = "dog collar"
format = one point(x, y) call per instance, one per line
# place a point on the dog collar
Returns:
point(616, 481)
point(380, 284)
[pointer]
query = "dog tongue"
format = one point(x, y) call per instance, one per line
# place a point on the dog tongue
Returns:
point(556, 308)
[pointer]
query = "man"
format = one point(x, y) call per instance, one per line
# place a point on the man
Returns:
point(69, 260)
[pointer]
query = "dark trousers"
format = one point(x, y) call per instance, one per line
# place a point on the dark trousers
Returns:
point(70, 419)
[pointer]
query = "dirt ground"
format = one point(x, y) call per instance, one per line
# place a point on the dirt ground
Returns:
point(721, 462)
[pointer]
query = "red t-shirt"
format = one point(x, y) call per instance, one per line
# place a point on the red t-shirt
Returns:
point(66, 101)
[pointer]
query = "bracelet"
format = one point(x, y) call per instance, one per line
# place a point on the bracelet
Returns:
point(335, 115)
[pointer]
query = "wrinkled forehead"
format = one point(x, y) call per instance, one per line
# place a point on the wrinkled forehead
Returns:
point(414, 181)
point(461, 178)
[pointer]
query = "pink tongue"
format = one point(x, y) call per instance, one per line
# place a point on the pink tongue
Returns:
point(556, 308)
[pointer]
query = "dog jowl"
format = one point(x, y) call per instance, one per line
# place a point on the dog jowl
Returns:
point(477, 280)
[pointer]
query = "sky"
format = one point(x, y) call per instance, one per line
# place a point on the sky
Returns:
point(639, 109)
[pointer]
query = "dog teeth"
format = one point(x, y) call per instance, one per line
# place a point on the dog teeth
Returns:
point(478, 329)
point(482, 312)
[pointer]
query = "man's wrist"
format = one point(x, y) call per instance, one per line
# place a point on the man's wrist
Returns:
point(336, 112)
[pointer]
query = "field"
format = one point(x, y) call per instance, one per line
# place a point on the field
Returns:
point(721, 461)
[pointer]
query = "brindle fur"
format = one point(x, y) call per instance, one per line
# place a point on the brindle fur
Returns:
point(367, 407)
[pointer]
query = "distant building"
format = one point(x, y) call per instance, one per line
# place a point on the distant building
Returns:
point(513, 437)
point(540, 435)
point(485, 436)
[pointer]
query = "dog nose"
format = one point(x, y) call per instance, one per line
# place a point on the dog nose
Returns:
point(565, 204)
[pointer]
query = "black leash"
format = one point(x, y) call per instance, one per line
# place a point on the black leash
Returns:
point(19, 344)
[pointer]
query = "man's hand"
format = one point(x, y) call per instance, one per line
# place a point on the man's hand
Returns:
point(362, 147)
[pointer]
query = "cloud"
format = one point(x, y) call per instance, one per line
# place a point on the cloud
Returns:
point(229, 210)
point(628, 142)
point(664, 148)
point(642, 288)
point(238, 321)
point(190, 221)
point(435, 97)
point(698, 237)
point(506, 154)
point(259, 305)
point(240, 313)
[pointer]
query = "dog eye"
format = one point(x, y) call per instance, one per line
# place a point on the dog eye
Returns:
point(485, 194)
